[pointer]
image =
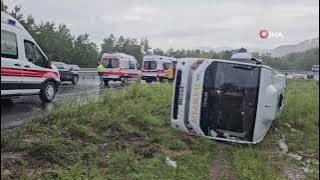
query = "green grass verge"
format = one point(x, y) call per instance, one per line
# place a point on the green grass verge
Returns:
point(301, 112)
point(125, 135)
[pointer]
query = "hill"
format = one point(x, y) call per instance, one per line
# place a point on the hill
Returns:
point(300, 47)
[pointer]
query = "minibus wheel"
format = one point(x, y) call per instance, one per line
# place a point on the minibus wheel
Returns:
point(124, 80)
point(75, 79)
point(106, 82)
point(48, 92)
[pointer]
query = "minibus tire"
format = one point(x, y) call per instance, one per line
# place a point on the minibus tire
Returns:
point(106, 82)
point(48, 92)
point(75, 79)
point(124, 80)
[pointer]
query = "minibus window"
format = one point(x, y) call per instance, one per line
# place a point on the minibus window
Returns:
point(150, 65)
point(110, 63)
point(9, 48)
point(30, 52)
point(40, 58)
point(59, 65)
point(166, 65)
point(131, 65)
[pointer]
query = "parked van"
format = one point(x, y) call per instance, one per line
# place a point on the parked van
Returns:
point(154, 66)
point(119, 67)
point(25, 69)
point(226, 100)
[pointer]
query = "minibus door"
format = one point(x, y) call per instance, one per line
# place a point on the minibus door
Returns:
point(33, 66)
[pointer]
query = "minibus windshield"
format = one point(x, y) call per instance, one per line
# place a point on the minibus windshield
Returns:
point(150, 65)
point(110, 63)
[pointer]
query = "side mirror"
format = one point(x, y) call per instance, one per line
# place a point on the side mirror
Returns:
point(71, 69)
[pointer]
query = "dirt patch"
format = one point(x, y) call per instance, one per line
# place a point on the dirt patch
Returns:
point(290, 171)
point(221, 167)
point(174, 153)
point(10, 163)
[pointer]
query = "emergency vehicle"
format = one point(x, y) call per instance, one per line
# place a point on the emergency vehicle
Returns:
point(119, 67)
point(25, 69)
point(227, 100)
point(154, 66)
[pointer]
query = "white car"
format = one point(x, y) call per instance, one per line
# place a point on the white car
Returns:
point(226, 100)
point(25, 69)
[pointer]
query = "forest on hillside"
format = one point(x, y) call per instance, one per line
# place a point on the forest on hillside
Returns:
point(59, 44)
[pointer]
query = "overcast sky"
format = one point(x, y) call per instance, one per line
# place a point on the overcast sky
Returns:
point(183, 23)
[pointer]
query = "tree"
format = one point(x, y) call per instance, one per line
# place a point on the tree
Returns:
point(4, 7)
point(144, 43)
point(158, 52)
point(108, 44)
point(85, 53)
point(16, 13)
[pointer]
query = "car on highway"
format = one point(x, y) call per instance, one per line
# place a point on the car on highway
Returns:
point(155, 66)
point(298, 76)
point(310, 76)
point(75, 67)
point(25, 69)
point(315, 68)
point(67, 73)
point(227, 100)
point(119, 67)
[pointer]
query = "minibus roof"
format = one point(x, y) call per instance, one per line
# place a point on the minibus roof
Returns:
point(118, 55)
point(154, 57)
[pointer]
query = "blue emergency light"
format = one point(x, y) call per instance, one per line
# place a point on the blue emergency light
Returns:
point(12, 22)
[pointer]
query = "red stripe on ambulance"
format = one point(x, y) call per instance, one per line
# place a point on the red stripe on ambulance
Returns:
point(28, 73)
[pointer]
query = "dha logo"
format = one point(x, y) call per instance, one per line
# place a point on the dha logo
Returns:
point(264, 34)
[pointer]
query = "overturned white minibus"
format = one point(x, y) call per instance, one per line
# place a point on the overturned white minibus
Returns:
point(231, 100)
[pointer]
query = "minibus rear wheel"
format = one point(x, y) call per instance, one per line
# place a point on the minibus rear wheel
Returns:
point(106, 82)
point(124, 80)
point(75, 79)
point(48, 92)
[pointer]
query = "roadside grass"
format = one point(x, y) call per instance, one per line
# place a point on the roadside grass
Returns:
point(126, 134)
point(301, 112)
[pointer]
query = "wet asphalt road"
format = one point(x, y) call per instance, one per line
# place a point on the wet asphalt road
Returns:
point(20, 110)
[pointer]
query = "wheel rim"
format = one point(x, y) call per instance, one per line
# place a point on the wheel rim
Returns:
point(50, 91)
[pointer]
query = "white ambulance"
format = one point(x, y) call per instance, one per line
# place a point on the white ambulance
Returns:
point(25, 69)
point(154, 66)
point(227, 100)
point(119, 67)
